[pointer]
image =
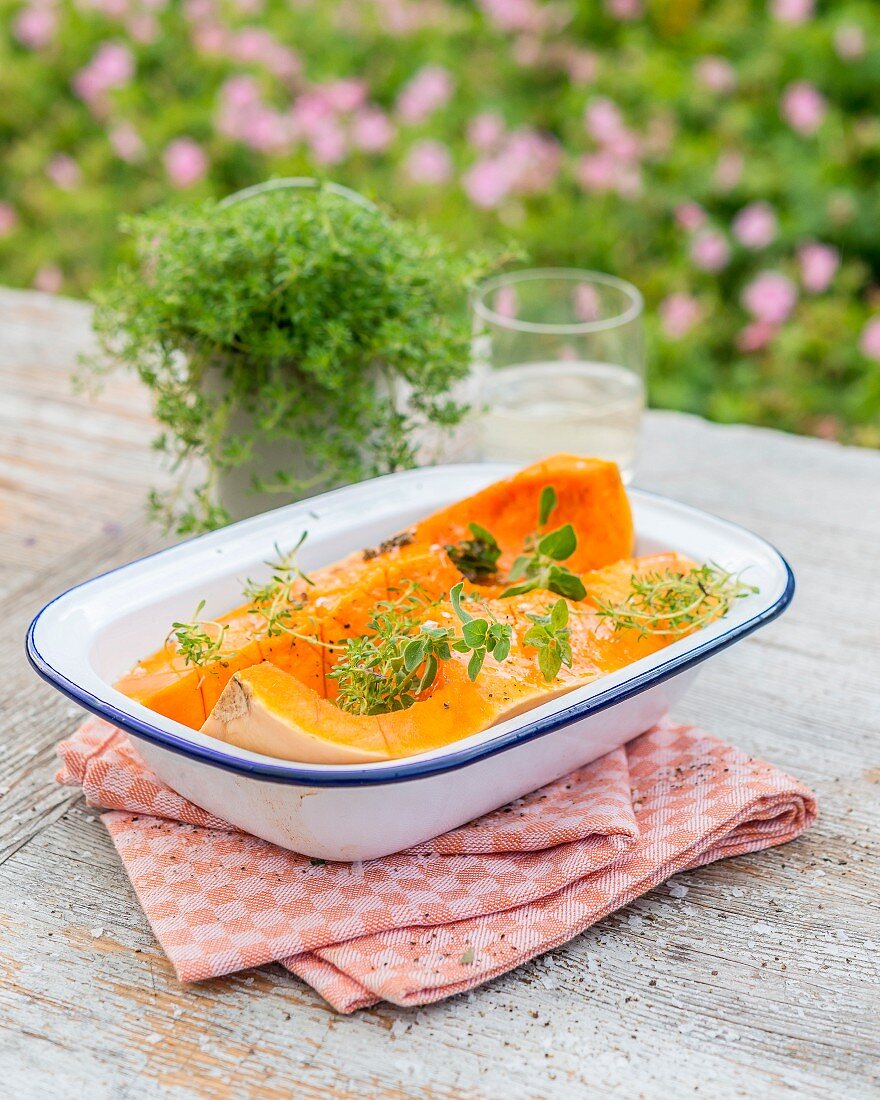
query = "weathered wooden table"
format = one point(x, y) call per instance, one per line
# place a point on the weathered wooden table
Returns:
point(762, 981)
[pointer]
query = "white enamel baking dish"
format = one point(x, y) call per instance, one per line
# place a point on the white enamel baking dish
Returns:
point(87, 637)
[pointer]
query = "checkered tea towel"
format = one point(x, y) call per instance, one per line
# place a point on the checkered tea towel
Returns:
point(451, 913)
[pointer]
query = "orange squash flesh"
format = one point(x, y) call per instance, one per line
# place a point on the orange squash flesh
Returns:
point(590, 495)
point(338, 603)
point(267, 710)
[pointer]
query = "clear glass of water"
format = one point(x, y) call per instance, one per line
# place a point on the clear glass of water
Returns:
point(559, 365)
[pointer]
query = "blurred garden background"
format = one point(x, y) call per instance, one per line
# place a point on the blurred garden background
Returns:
point(724, 156)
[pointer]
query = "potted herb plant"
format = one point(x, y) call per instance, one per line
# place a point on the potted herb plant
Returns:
point(292, 341)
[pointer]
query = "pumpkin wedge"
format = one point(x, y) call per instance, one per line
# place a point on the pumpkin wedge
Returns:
point(270, 711)
point(590, 496)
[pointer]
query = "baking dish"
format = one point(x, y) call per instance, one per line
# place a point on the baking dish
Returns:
point(86, 638)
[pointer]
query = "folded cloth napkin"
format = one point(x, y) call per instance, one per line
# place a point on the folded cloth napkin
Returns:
point(451, 913)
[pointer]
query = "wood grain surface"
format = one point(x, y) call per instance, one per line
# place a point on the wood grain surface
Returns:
point(761, 981)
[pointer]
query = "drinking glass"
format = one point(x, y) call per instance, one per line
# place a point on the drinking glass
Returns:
point(559, 366)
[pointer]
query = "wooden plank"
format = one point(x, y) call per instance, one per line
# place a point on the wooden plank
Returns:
point(70, 463)
point(763, 980)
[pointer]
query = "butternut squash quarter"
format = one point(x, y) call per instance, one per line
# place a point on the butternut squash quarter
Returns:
point(590, 496)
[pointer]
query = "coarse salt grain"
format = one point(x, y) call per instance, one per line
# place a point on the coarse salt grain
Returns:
point(96, 933)
point(678, 891)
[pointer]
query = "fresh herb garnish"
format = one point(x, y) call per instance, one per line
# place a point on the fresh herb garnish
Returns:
point(399, 659)
point(388, 668)
point(550, 635)
point(394, 543)
point(670, 604)
point(539, 565)
point(476, 558)
point(279, 597)
point(480, 637)
point(200, 641)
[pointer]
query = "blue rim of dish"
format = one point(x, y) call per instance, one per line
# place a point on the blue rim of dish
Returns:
point(354, 776)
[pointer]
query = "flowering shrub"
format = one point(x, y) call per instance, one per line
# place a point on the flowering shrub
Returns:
point(722, 156)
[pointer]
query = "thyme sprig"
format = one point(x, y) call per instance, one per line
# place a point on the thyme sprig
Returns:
point(379, 672)
point(278, 598)
point(476, 558)
point(551, 636)
point(670, 604)
point(393, 665)
point(539, 566)
point(200, 641)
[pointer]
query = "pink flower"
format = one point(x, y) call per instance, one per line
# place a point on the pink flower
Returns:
point(532, 160)
point(35, 25)
point(126, 142)
point(64, 172)
point(586, 302)
point(506, 301)
point(603, 120)
point(328, 144)
point(690, 216)
point(185, 162)
point(527, 51)
point(514, 15)
point(255, 45)
point(770, 297)
point(755, 336)
point(8, 219)
point(242, 115)
point(679, 313)
point(792, 11)
point(803, 107)
point(710, 250)
point(849, 42)
point(428, 162)
point(755, 225)
point(869, 342)
point(487, 183)
point(819, 264)
point(526, 164)
point(582, 66)
point(143, 28)
point(371, 130)
point(827, 427)
point(624, 10)
point(716, 74)
point(112, 66)
point(485, 131)
point(428, 90)
point(240, 92)
point(49, 279)
point(602, 172)
point(728, 170)
point(344, 95)
point(210, 39)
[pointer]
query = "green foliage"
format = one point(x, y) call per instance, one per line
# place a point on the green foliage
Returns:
point(550, 635)
point(336, 328)
point(200, 641)
point(671, 604)
point(538, 67)
point(539, 566)
point(479, 636)
point(476, 558)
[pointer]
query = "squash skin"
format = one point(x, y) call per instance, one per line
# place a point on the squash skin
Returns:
point(338, 604)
